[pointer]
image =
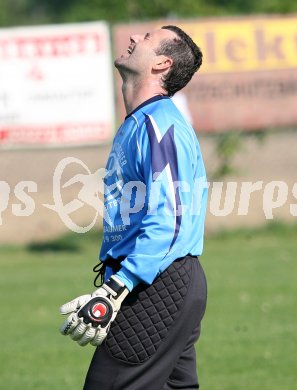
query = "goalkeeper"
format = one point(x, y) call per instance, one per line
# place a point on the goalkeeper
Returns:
point(145, 318)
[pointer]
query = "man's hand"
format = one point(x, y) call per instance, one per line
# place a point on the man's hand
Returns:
point(92, 314)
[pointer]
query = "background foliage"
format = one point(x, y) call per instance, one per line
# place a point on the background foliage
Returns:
point(28, 12)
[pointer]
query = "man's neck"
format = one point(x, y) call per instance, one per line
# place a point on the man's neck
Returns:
point(135, 94)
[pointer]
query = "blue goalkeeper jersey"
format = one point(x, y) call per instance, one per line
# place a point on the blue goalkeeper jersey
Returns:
point(155, 193)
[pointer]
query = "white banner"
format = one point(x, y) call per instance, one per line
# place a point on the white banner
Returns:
point(56, 85)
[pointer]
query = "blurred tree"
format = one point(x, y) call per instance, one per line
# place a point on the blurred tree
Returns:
point(11, 12)
point(28, 12)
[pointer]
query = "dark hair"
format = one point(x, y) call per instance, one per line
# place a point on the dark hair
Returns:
point(186, 56)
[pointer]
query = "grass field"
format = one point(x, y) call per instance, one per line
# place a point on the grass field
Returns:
point(249, 331)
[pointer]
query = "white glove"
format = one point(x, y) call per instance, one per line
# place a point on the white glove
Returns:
point(92, 314)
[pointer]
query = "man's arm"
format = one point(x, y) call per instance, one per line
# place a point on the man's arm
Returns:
point(161, 229)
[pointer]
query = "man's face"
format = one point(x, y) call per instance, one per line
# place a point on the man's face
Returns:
point(140, 55)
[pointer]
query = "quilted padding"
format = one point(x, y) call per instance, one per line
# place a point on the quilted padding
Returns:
point(147, 314)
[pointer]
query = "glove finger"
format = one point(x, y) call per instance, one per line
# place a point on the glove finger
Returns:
point(87, 336)
point(74, 304)
point(99, 337)
point(78, 331)
point(69, 324)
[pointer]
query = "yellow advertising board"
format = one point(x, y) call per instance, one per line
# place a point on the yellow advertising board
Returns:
point(248, 79)
point(241, 45)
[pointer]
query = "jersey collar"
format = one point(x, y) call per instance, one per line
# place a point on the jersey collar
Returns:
point(149, 101)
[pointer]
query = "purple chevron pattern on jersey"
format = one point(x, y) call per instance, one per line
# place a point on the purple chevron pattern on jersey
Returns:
point(163, 154)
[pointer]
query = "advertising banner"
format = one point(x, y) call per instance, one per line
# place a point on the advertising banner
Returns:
point(248, 79)
point(56, 85)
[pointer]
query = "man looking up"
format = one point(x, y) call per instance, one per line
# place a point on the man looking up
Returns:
point(146, 316)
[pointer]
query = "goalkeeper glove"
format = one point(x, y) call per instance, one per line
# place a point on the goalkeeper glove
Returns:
point(92, 314)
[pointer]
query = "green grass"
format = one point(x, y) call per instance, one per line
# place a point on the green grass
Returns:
point(249, 333)
point(250, 329)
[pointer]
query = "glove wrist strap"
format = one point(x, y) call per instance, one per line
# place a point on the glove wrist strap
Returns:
point(116, 287)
